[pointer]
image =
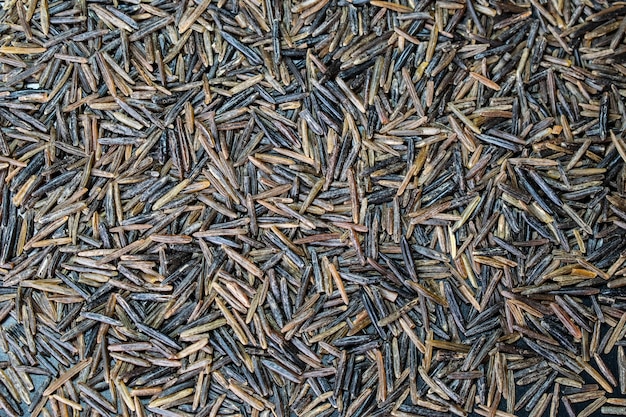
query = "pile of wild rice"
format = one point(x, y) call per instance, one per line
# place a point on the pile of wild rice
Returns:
point(316, 208)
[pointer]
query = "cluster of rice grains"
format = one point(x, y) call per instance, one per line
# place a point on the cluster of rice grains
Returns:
point(316, 208)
